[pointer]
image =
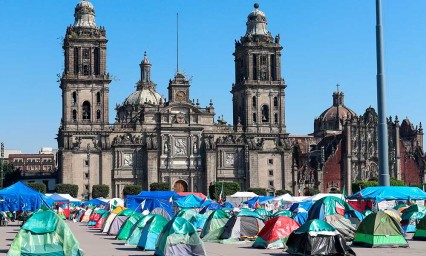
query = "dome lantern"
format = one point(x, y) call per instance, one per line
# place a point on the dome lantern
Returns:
point(84, 15)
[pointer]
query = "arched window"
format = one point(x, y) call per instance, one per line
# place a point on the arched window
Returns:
point(275, 102)
point(276, 118)
point(98, 98)
point(74, 115)
point(254, 101)
point(265, 114)
point(254, 118)
point(86, 110)
point(98, 114)
point(74, 98)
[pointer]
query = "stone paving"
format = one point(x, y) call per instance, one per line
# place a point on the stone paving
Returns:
point(95, 243)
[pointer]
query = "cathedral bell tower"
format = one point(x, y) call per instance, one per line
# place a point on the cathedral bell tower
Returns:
point(258, 91)
point(84, 82)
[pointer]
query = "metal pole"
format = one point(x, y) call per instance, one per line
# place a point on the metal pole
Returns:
point(88, 171)
point(384, 179)
point(2, 163)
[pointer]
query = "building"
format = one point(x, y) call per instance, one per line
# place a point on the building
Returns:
point(179, 142)
point(33, 164)
point(175, 140)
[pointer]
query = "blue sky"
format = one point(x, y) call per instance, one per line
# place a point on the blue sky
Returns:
point(325, 42)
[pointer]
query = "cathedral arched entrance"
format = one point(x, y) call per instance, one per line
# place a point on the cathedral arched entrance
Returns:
point(180, 186)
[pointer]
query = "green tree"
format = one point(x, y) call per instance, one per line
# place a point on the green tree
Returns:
point(11, 177)
point(100, 191)
point(229, 188)
point(258, 191)
point(282, 192)
point(40, 187)
point(132, 189)
point(70, 189)
point(159, 186)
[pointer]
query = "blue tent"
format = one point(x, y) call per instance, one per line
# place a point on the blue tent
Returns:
point(261, 199)
point(389, 193)
point(59, 199)
point(22, 197)
point(190, 201)
point(211, 207)
point(94, 202)
point(305, 205)
point(153, 199)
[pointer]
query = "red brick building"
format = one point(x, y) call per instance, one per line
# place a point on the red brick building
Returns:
point(33, 164)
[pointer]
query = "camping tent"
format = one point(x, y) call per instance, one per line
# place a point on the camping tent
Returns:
point(95, 202)
point(73, 201)
point(190, 201)
point(317, 237)
point(19, 197)
point(329, 205)
point(259, 199)
point(238, 197)
point(342, 225)
point(420, 233)
point(118, 221)
point(151, 231)
point(411, 216)
point(379, 230)
point(275, 233)
point(152, 200)
point(381, 193)
point(45, 233)
point(111, 217)
point(179, 237)
point(242, 227)
point(162, 212)
point(62, 203)
point(136, 230)
point(124, 232)
point(216, 220)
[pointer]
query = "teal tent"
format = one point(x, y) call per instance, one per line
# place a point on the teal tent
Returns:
point(19, 197)
point(215, 221)
point(151, 231)
point(136, 231)
point(190, 201)
point(124, 232)
point(45, 233)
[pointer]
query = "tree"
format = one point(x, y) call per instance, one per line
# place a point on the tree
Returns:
point(229, 188)
point(258, 191)
point(40, 187)
point(100, 191)
point(132, 189)
point(70, 189)
point(357, 186)
point(11, 177)
point(159, 186)
point(282, 192)
point(311, 191)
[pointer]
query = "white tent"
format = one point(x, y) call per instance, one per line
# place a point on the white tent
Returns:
point(321, 195)
point(239, 197)
point(286, 198)
point(67, 196)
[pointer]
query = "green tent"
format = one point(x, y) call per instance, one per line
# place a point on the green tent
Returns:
point(136, 230)
point(179, 237)
point(216, 220)
point(411, 216)
point(379, 230)
point(317, 237)
point(45, 233)
point(124, 232)
point(187, 213)
point(151, 231)
point(249, 213)
point(285, 213)
point(420, 233)
point(263, 213)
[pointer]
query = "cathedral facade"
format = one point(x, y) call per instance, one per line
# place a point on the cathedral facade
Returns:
point(175, 140)
point(179, 142)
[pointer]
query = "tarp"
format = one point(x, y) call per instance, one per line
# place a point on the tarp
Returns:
point(45, 233)
point(239, 197)
point(322, 195)
point(95, 202)
point(19, 197)
point(153, 199)
point(190, 201)
point(286, 198)
point(192, 193)
point(259, 199)
point(69, 197)
point(212, 206)
point(389, 193)
point(179, 237)
point(379, 230)
point(59, 199)
point(275, 233)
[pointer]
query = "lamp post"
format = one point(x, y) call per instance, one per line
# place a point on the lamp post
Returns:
point(384, 179)
point(88, 171)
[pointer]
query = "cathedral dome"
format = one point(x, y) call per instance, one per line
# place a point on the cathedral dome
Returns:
point(145, 95)
point(84, 15)
point(256, 23)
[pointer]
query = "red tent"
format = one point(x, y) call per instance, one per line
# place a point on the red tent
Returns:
point(194, 193)
point(272, 234)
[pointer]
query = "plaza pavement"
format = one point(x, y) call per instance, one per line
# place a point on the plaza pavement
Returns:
point(95, 243)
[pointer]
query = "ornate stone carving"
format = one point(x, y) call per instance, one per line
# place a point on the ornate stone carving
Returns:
point(127, 139)
point(127, 159)
point(180, 147)
point(229, 159)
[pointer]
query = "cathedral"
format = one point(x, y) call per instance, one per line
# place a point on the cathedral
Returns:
point(177, 141)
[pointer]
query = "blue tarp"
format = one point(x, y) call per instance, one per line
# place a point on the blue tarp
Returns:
point(59, 199)
point(190, 201)
point(94, 202)
point(262, 199)
point(211, 207)
point(306, 205)
point(382, 193)
point(22, 197)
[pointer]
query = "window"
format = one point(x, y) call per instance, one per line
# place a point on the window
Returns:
point(98, 98)
point(263, 68)
point(254, 67)
point(254, 118)
point(271, 183)
point(270, 161)
point(86, 175)
point(86, 54)
point(97, 58)
point(74, 98)
point(276, 102)
point(273, 68)
point(271, 172)
point(265, 114)
point(98, 114)
point(276, 118)
point(76, 61)
point(86, 70)
point(86, 110)
point(254, 101)
point(86, 162)
point(74, 115)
